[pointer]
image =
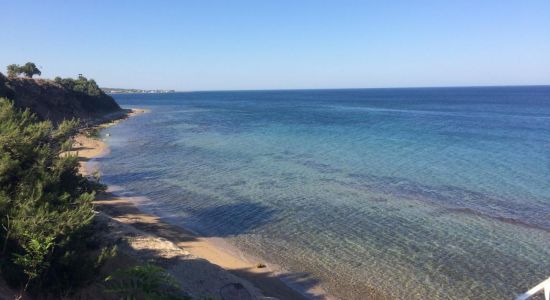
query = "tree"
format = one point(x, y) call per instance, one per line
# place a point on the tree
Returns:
point(14, 70)
point(30, 69)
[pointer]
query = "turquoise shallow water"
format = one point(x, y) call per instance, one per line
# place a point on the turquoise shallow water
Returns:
point(413, 193)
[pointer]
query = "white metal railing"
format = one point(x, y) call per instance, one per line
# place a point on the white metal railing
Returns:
point(543, 286)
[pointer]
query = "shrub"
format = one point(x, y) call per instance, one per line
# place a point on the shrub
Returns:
point(45, 204)
point(144, 282)
point(80, 85)
point(29, 69)
point(13, 70)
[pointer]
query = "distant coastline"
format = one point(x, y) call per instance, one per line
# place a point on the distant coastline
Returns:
point(134, 91)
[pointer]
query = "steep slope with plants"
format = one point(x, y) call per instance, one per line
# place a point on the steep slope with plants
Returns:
point(59, 99)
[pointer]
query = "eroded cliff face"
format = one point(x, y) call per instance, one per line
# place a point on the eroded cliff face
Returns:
point(52, 101)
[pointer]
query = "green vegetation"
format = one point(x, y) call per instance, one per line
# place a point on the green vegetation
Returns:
point(29, 69)
point(13, 70)
point(80, 85)
point(144, 282)
point(46, 208)
point(93, 132)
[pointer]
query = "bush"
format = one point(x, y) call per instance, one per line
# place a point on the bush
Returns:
point(80, 85)
point(144, 282)
point(29, 69)
point(45, 205)
point(13, 70)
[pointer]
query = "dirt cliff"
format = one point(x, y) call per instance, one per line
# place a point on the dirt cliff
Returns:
point(53, 101)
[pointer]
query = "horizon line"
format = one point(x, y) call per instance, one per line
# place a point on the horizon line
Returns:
point(339, 88)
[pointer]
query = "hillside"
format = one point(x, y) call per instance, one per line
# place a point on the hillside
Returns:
point(56, 100)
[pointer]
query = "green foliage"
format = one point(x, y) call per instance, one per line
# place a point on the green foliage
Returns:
point(146, 282)
point(68, 83)
point(105, 254)
point(93, 132)
point(80, 85)
point(13, 70)
point(46, 208)
point(33, 260)
point(29, 69)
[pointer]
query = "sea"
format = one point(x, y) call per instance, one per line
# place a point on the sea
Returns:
point(407, 193)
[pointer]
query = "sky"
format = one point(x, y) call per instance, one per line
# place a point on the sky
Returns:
point(281, 44)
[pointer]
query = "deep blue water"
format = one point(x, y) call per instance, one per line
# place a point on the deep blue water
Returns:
point(439, 193)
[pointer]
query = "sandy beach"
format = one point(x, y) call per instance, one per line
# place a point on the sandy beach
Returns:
point(200, 264)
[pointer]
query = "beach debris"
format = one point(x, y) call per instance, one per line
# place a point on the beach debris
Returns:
point(260, 265)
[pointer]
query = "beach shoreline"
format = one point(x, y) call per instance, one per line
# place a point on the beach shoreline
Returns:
point(260, 282)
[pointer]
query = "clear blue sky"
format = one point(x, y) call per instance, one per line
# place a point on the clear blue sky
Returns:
point(212, 45)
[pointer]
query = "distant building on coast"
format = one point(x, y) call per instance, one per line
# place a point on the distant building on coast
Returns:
point(135, 91)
